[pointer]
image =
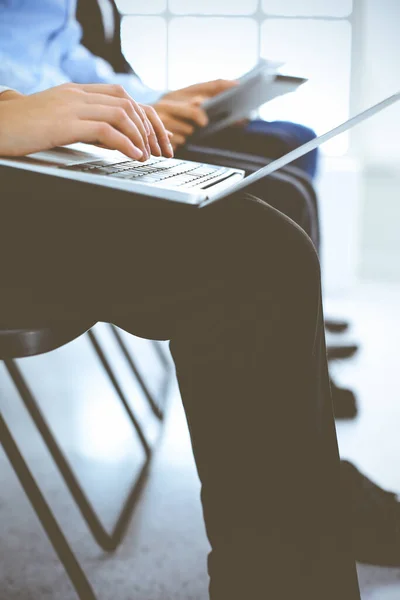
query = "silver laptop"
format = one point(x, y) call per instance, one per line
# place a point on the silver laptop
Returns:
point(175, 180)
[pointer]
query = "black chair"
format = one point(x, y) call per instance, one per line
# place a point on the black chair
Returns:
point(20, 343)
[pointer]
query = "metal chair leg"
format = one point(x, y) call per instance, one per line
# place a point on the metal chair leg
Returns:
point(118, 389)
point(108, 541)
point(166, 362)
point(45, 515)
point(159, 413)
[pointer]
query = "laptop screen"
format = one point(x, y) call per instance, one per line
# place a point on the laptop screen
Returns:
point(315, 143)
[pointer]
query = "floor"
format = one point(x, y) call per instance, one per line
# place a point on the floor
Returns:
point(372, 441)
point(163, 555)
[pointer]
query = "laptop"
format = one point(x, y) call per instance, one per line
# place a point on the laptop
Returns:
point(175, 180)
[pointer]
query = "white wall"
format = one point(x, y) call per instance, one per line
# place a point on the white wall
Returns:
point(379, 65)
point(379, 254)
point(339, 189)
point(377, 142)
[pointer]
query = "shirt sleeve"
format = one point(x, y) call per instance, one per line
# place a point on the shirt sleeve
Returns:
point(81, 66)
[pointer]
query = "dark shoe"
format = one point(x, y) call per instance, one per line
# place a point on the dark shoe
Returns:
point(374, 517)
point(344, 402)
point(336, 326)
point(341, 352)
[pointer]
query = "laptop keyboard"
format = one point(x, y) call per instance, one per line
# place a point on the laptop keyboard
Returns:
point(169, 172)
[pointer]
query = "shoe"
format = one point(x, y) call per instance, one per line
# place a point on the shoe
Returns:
point(344, 402)
point(374, 518)
point(336, 326)
point(341, 352)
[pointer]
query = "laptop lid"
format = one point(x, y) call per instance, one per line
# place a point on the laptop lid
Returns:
point(307, 147)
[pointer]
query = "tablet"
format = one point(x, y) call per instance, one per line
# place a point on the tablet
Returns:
point(255, 88)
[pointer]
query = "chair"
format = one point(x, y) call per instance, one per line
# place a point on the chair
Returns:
point(20, 343)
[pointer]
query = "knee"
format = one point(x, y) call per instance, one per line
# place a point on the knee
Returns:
point(291, 248)
point(306, 133)
point(301, 133)
point(265, 244)
point(287, 196)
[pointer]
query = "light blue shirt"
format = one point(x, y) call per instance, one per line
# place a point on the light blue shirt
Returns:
point(40, 48)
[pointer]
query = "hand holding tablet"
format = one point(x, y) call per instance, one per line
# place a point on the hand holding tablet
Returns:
point(258, 86)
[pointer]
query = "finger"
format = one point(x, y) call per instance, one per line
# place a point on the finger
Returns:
point(178, 140)
point(149, 129)
point(177, 126)
point(198, 100)
point(110, 89)
point(146, 121)
point(217, 86)
point(99, 132)
point(114, 90)
point(117, 118)
point(134, 111)
point(128, 104)
point(146, 125)
point(188, 112)
point(160, 131)
point(153, 141)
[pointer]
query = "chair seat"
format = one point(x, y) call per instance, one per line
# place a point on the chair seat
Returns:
point(19, 343)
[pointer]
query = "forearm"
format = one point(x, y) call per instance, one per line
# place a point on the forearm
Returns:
point(96, 113)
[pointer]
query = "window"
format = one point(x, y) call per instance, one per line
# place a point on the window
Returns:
point(308, 8)
point(323, 101)
point(144, 42)
point(173, 43)
point(191, 59)
point(212, 7)
point(138, 7)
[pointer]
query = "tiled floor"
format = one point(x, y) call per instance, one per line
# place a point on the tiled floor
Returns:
point(163, 555)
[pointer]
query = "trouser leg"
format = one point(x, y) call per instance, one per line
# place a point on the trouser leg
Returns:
point(235, 286)
point(252, 372)
point(288, 195)
point(268, 139)
point(294, 135)
point(289, 190)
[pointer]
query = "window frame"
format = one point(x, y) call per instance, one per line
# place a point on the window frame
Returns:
point(355, 19)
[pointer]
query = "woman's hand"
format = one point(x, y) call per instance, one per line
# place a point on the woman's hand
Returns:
point(181, 111)
point(208, 89)
point(94, 113)
point(181, 117)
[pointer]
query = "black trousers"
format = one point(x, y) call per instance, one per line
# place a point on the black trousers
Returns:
point(235, 286)
point(294, 194)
